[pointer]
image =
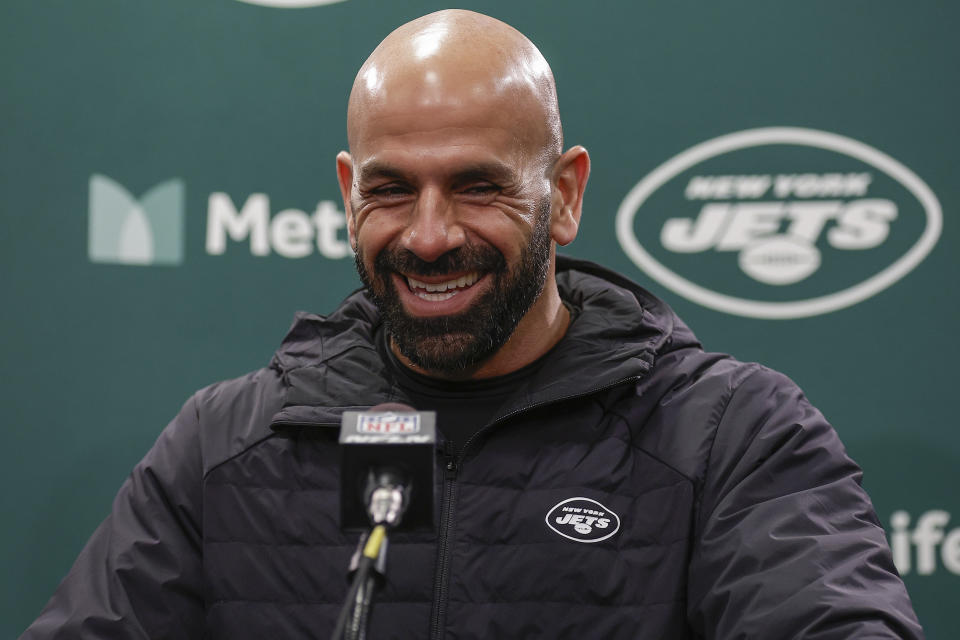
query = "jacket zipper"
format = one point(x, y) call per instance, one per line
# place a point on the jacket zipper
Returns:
point(448, 510)
point(442, 574)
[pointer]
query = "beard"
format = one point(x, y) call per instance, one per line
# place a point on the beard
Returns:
point(451, 345)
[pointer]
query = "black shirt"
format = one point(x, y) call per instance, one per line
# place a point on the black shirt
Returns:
point(463, 406)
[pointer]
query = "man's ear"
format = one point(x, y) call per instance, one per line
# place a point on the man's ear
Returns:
point(345, 178)
point(568, 181)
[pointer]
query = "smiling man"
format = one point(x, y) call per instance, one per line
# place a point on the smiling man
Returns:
point(602, 476)
point(455, 191)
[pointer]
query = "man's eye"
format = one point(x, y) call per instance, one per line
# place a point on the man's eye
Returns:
point(481, 189)
point(390, 190)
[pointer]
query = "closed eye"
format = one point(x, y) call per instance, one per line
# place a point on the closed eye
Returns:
point(390, 190)
point(483, 189)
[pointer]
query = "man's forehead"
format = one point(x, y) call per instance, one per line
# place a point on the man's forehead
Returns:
point(466, 170)
point(420, 100)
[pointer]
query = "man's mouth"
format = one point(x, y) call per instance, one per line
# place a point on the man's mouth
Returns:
point(444, 290)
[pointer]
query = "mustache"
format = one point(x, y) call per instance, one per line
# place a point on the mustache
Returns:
point(465, 258)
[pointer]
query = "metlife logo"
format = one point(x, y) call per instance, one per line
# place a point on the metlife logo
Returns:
point(150, 231)
point(779, 222)
point(124, 230)
point(922, 546)
point(290, 233)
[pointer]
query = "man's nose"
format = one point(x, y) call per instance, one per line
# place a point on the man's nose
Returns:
point(433, 229)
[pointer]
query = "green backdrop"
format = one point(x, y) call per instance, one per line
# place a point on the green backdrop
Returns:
point(169, 201)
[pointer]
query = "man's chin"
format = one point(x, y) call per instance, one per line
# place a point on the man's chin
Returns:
point(445, 353)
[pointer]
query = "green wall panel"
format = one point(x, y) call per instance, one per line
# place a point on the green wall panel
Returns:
point(211, 113)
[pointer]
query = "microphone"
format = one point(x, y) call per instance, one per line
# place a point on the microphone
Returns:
point(386, 482)
point(387, 466)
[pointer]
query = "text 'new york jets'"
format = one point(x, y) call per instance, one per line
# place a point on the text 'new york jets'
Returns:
point(860, 224)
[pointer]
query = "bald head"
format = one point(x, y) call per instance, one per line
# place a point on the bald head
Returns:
point(449, 61)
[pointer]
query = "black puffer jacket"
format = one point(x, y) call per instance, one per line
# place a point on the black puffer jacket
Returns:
point(731, 508)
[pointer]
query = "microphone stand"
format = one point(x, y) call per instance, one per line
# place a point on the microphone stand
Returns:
point(387, 498)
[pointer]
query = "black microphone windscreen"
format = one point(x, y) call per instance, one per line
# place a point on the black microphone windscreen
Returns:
point(389, 436)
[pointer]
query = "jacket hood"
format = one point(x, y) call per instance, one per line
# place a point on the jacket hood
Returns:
point(330, 364)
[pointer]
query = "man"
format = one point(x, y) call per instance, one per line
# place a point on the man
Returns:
point(603, 477)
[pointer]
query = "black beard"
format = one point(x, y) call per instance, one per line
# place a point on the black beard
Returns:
point(450, 345)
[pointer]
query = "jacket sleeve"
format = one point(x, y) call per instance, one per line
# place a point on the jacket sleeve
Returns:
point(788, 543)
point(139, 576)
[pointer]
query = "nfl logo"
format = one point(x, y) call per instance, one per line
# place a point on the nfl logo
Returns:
point(388, 423)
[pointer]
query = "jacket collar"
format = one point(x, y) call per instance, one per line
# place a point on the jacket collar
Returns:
point(330, 364)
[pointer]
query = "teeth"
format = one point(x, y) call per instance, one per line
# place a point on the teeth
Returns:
point(436, 297)
point(436, 292)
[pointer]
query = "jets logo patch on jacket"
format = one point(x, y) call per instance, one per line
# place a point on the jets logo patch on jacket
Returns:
point(583, 520)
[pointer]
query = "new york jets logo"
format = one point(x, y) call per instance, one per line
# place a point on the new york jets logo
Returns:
point(583, 520)
point(779, 222)
point(291, 4)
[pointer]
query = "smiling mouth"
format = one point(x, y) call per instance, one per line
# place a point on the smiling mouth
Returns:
point(440, 291)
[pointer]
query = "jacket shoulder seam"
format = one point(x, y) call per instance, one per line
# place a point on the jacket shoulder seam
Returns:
point(649, 453)
point(237, 454)
point(715, 428)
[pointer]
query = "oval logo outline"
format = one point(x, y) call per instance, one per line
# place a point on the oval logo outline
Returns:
point(604, 509)
point(790, 136)
point(291, 4)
